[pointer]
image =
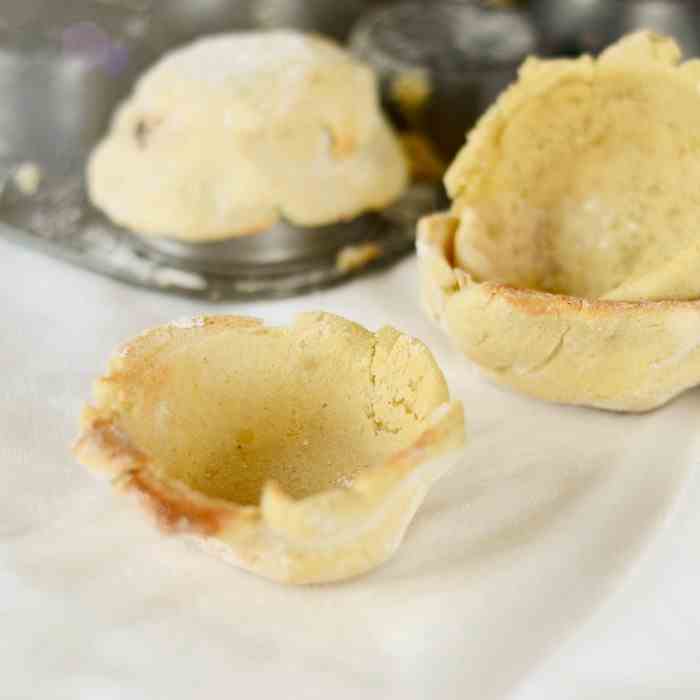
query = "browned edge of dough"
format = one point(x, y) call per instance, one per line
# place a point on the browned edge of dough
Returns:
point(532, 301)
point(176, 508)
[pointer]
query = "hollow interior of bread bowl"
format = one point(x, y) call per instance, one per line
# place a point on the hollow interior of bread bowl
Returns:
point(591, 183)
point(226, 407)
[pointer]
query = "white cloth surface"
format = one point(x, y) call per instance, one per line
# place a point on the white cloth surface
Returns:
point(559, 559)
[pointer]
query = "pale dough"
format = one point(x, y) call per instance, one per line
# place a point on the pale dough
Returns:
point(567, 266)
point(582, 179)
point(301, 452)
point(229, 134)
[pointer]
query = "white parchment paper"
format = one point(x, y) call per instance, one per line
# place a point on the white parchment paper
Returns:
point(551, 510)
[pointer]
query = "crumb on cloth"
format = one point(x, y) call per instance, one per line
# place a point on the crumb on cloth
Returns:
point(355, 257)
point(27, 178)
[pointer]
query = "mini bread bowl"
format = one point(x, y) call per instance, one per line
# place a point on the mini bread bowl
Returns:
point(566, 268)
point(300, 453)
point(231, 134)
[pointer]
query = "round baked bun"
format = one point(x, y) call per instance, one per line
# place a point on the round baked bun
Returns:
point(567, 266)
point(227, 135)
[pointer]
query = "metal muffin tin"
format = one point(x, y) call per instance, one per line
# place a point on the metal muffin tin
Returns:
point(571, 27)
point(466, 52)
point(64, 66)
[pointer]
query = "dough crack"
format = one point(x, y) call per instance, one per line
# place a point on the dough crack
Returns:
point(556, 349)
point(407, 408)
point(379, 425)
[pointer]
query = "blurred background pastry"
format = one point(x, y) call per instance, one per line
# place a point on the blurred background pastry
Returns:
point(66, 67)
point(226, 136)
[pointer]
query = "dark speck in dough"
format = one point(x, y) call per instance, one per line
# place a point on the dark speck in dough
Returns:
point(141, 133)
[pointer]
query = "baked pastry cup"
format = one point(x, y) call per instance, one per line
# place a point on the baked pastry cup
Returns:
point(566, 266)
point(226, 136)
point(299, 453)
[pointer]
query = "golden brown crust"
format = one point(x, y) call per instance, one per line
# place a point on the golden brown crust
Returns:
point(177, 508)
point(537, 303)
point(174, 507)
point(101, 435)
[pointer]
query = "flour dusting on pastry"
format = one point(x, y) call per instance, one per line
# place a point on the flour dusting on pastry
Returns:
point(228, 135)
